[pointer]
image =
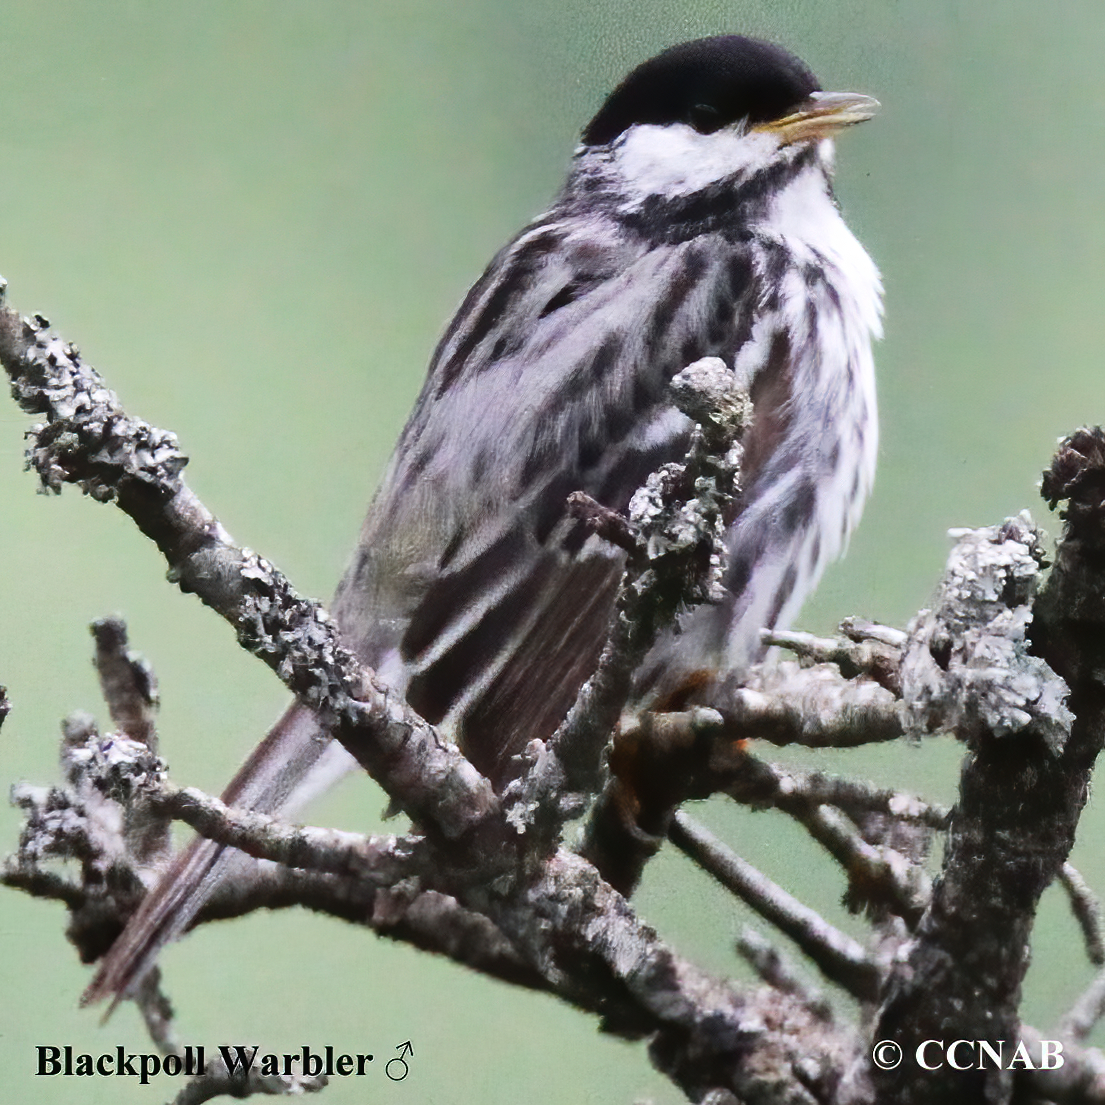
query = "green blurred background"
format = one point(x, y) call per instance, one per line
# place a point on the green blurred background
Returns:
point(255, 218)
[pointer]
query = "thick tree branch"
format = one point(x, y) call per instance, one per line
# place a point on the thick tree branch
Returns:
point(1022, 789)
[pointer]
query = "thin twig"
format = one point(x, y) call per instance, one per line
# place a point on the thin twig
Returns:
point(1087, 1010)
point(876, 872)
point(761, 784)
point(127, 683)
point(778, 971)
point(384, 859)
point(43, 884)
point(872, 651)
point(840, 958)
point(157, 1012)
point(1086, 907)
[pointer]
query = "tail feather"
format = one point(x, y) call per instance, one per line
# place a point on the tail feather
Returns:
point(294, 761)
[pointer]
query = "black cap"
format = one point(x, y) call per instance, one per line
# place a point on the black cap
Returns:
point(708, 84)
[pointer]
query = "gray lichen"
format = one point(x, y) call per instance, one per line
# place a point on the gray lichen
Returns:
point(968, 666)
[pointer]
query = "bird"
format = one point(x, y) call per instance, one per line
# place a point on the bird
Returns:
point(697, 220)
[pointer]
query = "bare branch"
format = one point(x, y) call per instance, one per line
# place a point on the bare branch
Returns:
point(841, 959)
point(127, 682)
point(879, 872)
point(371, 881)
point(759, 783)
point(778, 971)
point(1083, 1015)
point(1086, 907)
point(662, 760)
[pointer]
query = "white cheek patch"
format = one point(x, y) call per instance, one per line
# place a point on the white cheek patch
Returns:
point(675, 160)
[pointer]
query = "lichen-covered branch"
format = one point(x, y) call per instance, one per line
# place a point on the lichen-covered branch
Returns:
point(673, 537)
point(1016, 677)
point(378, 881)
point(581, 936)
point(1022, 788)
point(90, 441)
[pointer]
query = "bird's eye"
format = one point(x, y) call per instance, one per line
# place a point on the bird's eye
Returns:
point(704, 118)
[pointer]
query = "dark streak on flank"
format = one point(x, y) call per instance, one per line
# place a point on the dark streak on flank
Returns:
point(784, 591)
point(799, 508)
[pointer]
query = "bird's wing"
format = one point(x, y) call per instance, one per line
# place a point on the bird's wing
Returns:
point(470, 577)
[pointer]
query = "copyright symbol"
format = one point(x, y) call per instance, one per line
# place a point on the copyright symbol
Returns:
point(886, 1054)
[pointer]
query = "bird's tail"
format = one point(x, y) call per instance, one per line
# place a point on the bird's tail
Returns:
point(293, 763)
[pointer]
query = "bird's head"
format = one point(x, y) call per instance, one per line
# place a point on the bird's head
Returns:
point(714, 109)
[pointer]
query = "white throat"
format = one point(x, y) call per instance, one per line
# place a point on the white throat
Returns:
point(805, 217)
